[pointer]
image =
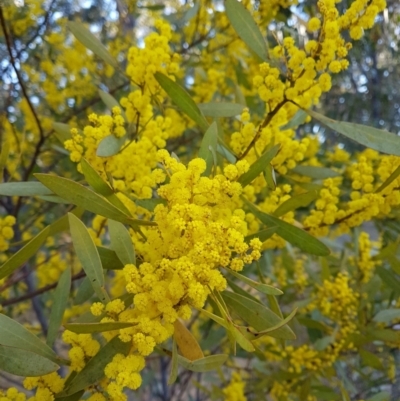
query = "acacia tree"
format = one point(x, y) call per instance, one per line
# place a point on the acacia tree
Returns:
point(167, 209)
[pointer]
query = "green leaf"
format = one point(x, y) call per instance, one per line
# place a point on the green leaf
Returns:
point(5, 151)
point(60, 302)
point(387, 315)
point(389, 278)
point(94, 369)
point(87, 254)
point(187, 343)
point(182, 99)
point(264, 288)
point(79, 195)
point(247, 29)
point(74, 397)
point(239, 290)
point(24, 254)
point(150, 204)
point(111, 102)
point(94, 179)
point(109, 259)
point(191, 12)
point(91, 42)
point(63, 131)
point(269, 176)
point(373, 138)
point(97, 327)
point(370, 359)
point(389, 180)
point(22, 362)
point(204, 364)
point(381, 396)
point(85, 291)
point(174, 364)
point(257, 315)
point(209, 143)
point(110, 146)
point(298, 119)
point(121, 242)
point(292, 234)
point(262, 235)
point(385, 335)
point(319, 173)
point(302, 200)
point(220, 109)
point(258, 166)
point(29, 188)
point(13, 334)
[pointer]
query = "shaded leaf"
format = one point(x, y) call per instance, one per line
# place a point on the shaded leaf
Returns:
point(60, 302)
point(5, 151)
point(74, 397)
point(389, 278)
point(13, 334)
point(220, 109)
point(292, 234)
point(174, 365)
point(298, 119)
point(94, 369)
point(247, 29)
point(22, 362)
point(111, 102)
point(79, 195)
point(389, 180)
point(182, 99)
point(385, 335)
point(63, 131)
point(186, 342)
point(259, 165)
point(150, 204)
point(109, 259)
point(295, 202)
point(97, 327)
point(316, 172)
point(209, 143)
point(85, 291)
point(121, 242)
point(110, 146)
point(204, 364)
point(257, 315)
point(387, 315)
point(262, 235)
point(91, 42)
point(87, 254)
point(264, 288)
point(371, 359)
point(24, 254)
point(269, 176)
point(373, 138)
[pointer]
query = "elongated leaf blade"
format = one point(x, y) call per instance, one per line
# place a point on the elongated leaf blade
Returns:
point(292, 234)
point(264, 288)
point(94, 369)
point(111, 102)
point(258, 166)
point(82, 328)
point(110, 146)
point(29, 188)
point(220, 109)
point(262, 235)
point(81, 196)
point(74, 397)
point(87, 254)
point(247, 29)
point(63, 131)
point(121, 242)
point(91, 42)
point(389, 180)
point(296, 202)
point(319, 173)
point(24, 254)
point(61, 295)
point(298, 119)
point(13, 334)
point(209, 143)
point(285, 321)
point(174, 364)
point(204, 364)
point(186, 342)
point(109, 259)
point(22, 362)
point(387, 315)
point(5, 151)
point(182, 99)
point(85, 291)
point(257, 315)
point(373, 138)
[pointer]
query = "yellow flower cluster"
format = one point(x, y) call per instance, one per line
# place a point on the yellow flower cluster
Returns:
point(6, 232)
point(83, 348)
point(12, 394)
point(303, 357)
point(234, 391)
point(365, 263)
point(50, 267)
point(46, 386)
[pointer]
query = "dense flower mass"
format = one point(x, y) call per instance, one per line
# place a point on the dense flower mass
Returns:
point(197, 220)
